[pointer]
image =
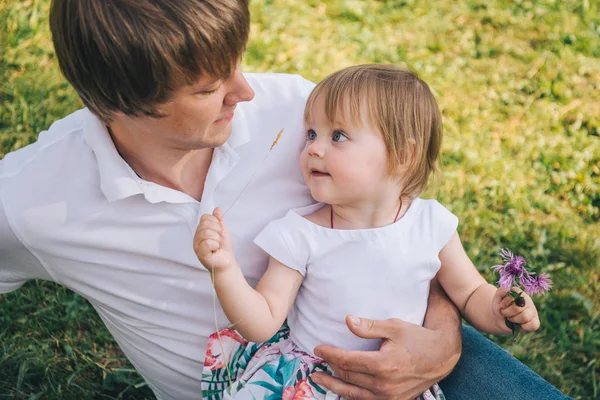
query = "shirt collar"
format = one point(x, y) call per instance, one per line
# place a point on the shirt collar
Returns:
point(118, 180)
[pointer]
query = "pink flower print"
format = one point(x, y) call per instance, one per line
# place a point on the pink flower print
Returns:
point(218, 352)
point(269, 351)
point(302, 391)
point(288, 393)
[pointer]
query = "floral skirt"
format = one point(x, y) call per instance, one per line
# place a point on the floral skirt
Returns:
point(276, 369)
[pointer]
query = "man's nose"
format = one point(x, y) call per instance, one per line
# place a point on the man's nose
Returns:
point(239, 89)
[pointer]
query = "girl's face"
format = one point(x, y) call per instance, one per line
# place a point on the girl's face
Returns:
point(344, 164)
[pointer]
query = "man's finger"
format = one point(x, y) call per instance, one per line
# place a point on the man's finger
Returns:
point(375, 329)
point(341, 388)
point(360, 379)
point(349, 360)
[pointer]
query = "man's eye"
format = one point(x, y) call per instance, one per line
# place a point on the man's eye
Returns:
point(208, 91)
point(211, 91)
point(339, 136)
point(311, 135)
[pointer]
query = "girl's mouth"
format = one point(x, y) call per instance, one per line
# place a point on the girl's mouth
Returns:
point(316, 173)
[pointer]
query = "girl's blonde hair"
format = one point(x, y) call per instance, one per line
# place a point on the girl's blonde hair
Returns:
point(397, 103)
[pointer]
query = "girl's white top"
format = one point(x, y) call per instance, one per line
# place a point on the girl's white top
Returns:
point(372, 273)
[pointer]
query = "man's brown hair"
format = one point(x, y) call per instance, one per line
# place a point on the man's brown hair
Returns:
point(129, 55)
point(396, 103)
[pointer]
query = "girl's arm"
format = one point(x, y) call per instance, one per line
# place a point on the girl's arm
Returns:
point(481, 303)
point(256, 313)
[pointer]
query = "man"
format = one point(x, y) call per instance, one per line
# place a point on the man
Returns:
point(106, 202)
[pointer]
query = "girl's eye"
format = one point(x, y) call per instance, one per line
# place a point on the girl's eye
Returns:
point(339, 136)
point(311, 135)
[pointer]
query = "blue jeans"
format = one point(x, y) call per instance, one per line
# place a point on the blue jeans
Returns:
point(486, 371)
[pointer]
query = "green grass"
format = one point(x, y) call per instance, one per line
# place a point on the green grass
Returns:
point(519, 86)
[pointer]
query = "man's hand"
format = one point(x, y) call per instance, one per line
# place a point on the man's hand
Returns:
point(411, 358)
point(405, 366)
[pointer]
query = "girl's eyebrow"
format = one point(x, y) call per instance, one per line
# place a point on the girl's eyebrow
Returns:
point(340, 126)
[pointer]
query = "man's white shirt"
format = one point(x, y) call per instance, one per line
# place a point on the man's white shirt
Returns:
point(73, 212)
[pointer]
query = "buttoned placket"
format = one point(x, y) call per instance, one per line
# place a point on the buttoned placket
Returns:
point(222, 164)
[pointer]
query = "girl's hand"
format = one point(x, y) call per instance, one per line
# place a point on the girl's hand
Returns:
point(504, 306)
point(212, 242)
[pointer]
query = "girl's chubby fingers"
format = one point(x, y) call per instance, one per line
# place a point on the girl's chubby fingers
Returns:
point(209, 221)
point(513, 310)
point(506, 302)
point(532, 325)
point(209, 246)
point(209, 226)
point(528, 318)
point(218, 213)
point(208, 217)
point(205, 249)
point(210, 234)
point(508, 299)
point(499, 296)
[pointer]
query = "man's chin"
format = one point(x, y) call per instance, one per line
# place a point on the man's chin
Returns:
point(216, 138)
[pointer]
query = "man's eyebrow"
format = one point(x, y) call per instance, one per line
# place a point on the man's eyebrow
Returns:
point(203, 85)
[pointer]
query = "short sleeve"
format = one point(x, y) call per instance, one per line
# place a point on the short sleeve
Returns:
point(283, 241)
point(17, 263)
point(447, 224)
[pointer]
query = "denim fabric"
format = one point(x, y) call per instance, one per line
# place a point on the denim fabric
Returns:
point(486, 371)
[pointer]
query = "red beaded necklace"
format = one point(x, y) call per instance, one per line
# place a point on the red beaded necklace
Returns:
point(395, 219)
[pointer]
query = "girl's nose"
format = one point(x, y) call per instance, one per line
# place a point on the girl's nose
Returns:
point(316, 148)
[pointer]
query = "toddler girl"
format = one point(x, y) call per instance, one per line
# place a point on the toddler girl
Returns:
point(370, 247)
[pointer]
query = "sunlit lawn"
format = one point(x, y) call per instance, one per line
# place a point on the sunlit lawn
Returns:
point(519, 85)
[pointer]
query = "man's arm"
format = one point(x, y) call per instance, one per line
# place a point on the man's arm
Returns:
point(17, 264)
point(443, 317)
point(411, 358)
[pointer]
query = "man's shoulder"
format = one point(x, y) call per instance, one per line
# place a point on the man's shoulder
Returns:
point(51, 147)
point(43, 170)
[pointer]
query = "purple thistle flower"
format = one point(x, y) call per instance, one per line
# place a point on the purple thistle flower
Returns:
point(506, 281)
point(506, 255)
point(512, 269)
point(516, 266)
point(533, 284)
